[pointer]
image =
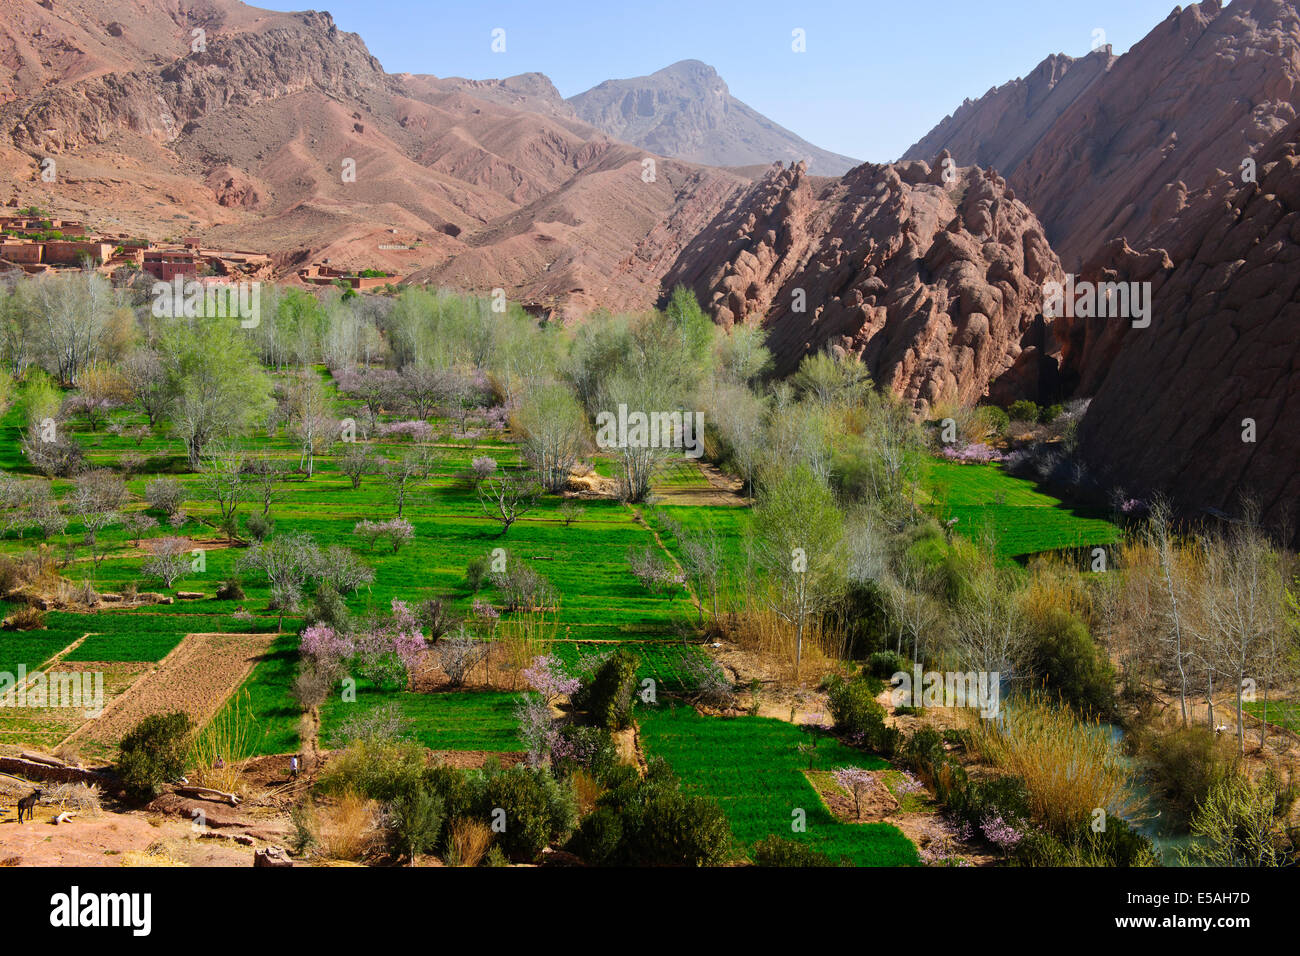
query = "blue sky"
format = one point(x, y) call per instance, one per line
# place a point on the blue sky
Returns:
point(874, 79)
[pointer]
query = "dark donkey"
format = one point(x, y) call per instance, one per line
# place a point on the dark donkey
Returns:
point(28, 803)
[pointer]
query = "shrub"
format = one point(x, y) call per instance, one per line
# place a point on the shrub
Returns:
point(671, 829)
point(1023, 411)
point(467, 842)
point(259, 526)
point(599, 837)
point(231, 589)
point(537, 811)
point(857, 714)
point(1183, 764)
point(589, 749)
point(153, 753)
point(476, 573)
point(885, 664)
point(921, 751)
point(781, 851)
point(607, 698)
point(1069, 663)
point(375, 768)
point(26, 618)
point(414, 821)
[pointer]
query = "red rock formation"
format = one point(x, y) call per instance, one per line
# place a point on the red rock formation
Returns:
point(935, 285)
point(1104, 147)
point(1171, 399)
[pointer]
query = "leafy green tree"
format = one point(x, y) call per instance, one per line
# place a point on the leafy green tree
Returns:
point(798, 542)
point(215, 385)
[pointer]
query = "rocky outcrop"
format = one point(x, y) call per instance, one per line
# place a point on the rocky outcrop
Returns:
point(1202, 405)
point(1104, 147)
point(687, 112)
point(935, 284)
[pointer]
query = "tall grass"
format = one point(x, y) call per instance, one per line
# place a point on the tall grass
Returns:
point(346, 830)
point(1069, 765)
point(467, 842)
point(765, 633)
point(222, 750)
point(524, 636)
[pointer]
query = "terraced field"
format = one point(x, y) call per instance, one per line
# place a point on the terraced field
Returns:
point(752, 766)
point(1025, 520)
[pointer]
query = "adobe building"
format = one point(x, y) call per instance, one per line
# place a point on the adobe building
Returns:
point(165, 265)
point(65, 253)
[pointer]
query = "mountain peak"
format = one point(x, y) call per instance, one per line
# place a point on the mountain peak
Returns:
point(686, 111)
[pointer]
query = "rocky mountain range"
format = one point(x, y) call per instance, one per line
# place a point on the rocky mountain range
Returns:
point(1106, 146)
point(1173, 164)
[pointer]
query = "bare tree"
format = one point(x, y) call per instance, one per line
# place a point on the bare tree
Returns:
point(96, 500)
point(507, 496)
point(170, 560)
point(553, 433)
point(146, 381)
point(991, 636)
point(403, 474)
point(222, 481)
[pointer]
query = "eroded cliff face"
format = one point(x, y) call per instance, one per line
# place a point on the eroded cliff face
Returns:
point(235, 70)
point(1175, 402)
point(936, 285)
point(1104, 147)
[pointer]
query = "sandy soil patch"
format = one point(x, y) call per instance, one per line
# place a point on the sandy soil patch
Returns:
point(196, 677)
point(47, 726)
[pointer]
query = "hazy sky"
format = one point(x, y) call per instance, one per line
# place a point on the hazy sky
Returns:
point(874, 79)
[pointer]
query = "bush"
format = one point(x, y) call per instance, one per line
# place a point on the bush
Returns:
point(1023, 411)
point(1049, 414)
point(921, 751)
point(415, 820)
point(993, 418)
point(885, 664)
point(153, 753)
point(537, 811)
point(1183, 764)
point(607, 698)
point(259, 526)
point(1070, 663)
point(27, 618)
point(671, 829)
point(599, 838)
point(476, 573)
point(781, 851)
point(585, 748)
point(857, 714)
point(375, 768)
point(231, 589)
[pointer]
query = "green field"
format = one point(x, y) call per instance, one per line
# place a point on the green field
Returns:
point(1024, 519)
point(753, 768)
